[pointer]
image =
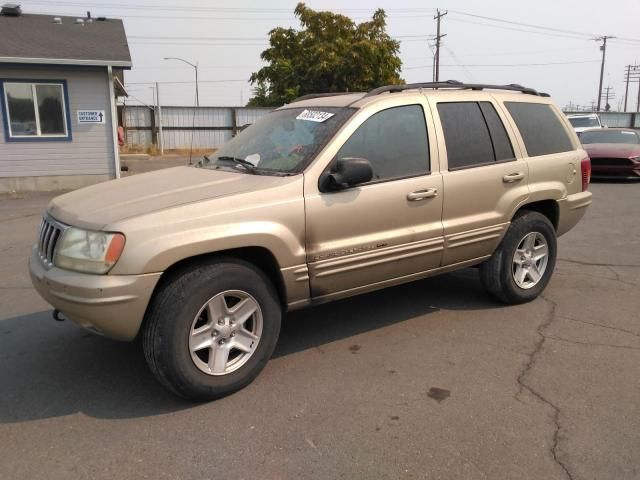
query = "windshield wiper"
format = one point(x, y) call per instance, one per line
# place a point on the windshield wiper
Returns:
point(250, 167)
point(200, 163)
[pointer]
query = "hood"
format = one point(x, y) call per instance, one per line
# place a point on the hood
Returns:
point(105, 203)
point(584, 129)
point(612, 150)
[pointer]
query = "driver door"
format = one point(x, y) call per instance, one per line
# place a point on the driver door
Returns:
point(389, 229)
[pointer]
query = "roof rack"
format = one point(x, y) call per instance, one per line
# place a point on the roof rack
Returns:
point(321, 95)
point(454, 84)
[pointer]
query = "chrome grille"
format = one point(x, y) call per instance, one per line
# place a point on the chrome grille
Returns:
point(50, 232)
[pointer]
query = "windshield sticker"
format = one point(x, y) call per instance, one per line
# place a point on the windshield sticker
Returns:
point(253, 159)
point(314, 116)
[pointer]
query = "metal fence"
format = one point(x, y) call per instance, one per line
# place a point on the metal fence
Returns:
point(184, 127)
point(210, 127)
point(615, 119)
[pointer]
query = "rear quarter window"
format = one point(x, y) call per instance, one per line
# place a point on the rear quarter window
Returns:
point(542, 131)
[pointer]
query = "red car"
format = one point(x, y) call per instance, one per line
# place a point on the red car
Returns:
point(614, 152)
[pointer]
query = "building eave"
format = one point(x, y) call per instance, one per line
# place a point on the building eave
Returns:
point(68, 61)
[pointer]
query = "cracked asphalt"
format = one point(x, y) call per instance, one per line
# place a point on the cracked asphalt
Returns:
point(427, 380)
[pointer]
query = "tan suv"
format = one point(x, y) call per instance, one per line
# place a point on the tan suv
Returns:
point(327, 197)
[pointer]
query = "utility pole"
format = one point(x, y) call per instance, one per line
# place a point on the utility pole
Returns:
point(438, 37)
point(603, 48)
point(631, 75)
point(608, 95)
point(626, 88)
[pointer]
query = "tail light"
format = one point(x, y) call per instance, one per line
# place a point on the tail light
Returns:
point(585, 169)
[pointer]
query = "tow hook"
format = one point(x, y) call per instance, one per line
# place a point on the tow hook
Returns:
point(57, 316)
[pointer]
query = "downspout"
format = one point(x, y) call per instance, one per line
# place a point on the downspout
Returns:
point(114, 122)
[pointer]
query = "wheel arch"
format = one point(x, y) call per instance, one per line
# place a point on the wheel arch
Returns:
point(549, 208)
point(260, 257)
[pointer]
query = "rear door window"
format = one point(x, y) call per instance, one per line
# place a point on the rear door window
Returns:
point(542, 131)
point(501, 144)
point(474, 134)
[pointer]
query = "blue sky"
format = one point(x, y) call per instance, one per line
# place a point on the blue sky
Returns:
point(226, 38)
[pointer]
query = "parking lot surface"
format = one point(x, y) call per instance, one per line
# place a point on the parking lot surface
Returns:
point(426, 380)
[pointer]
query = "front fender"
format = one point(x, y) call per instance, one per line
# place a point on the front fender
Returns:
point(159, 252)
point(269, 218)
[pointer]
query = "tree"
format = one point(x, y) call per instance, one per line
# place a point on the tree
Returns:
point(330, 53)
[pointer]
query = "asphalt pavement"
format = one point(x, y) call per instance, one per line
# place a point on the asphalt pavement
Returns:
point(427, 380)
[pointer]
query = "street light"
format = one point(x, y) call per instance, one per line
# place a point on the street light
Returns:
point(195, 66)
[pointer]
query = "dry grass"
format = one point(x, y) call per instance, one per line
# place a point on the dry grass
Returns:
point(154, 151)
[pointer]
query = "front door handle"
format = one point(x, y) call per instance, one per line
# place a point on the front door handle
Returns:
point(513, 177)
point(422, 194)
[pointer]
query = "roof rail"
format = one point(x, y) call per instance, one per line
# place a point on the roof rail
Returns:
point(321, 95)
point(454, 84)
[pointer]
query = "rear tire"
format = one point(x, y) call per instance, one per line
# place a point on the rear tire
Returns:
point(521, 267)
point(210, 329)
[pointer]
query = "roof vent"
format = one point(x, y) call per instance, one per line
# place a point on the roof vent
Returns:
point(11, 10)
point(57, 20)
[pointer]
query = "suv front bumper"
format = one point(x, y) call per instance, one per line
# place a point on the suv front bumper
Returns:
point(111, 305)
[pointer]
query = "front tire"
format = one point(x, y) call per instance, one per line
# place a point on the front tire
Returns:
point(211, 328)
point(521, 267)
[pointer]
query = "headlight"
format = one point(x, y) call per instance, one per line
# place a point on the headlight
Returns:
point(86, 251)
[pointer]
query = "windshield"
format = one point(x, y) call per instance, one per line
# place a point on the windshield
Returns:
point(580, 122)
point(283, 141)
point(609, 136)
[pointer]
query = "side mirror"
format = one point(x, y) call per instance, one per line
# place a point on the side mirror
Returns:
point(346, 173)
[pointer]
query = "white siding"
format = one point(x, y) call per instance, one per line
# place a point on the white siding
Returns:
point(90, 152)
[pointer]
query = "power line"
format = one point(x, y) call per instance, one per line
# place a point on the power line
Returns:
point(176, 38)
point(156, 6)
point(255, 39)
point(179, 82)
point(506, 64)
point(514, 29)
point(529, 25)
point(218, 44)
point(410, 13)
point(211, 67)
point(459, 63)
point(520, 53)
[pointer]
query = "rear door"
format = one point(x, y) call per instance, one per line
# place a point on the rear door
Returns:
point(484, 180)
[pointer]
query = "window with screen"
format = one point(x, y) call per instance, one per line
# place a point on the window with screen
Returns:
point(35, 110)
point(394, 141)
point(542, 131)
point(474, 134)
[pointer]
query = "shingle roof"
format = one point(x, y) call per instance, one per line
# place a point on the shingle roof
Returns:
point(38, 39)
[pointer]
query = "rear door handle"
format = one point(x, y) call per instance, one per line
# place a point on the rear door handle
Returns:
point(513, 177)
point(422, 194)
